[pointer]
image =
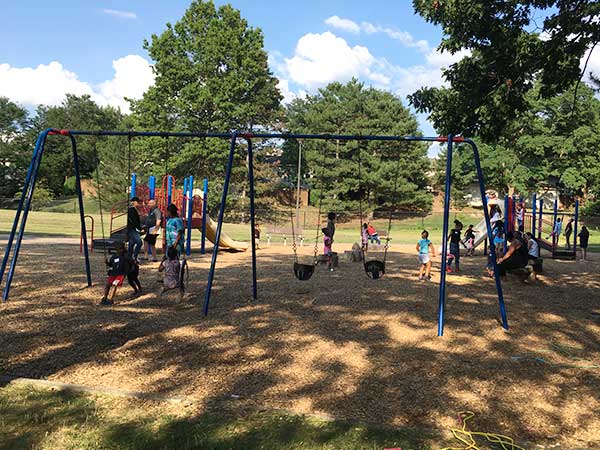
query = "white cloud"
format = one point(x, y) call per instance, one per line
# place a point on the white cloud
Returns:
point(436, 58)
point(404, 37)
point(343, 24)
point(133, 77)
point(47, 84)
point(120, 14)
point(593, 64)
point(320, 59)
point(284, 88)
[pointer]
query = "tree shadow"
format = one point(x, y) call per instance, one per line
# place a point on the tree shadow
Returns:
point(340, 344)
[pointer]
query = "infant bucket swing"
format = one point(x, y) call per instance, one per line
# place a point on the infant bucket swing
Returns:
point(375, 268)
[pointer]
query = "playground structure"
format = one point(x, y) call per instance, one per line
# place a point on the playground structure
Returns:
point(32, 173)
point(534, 222)
point(191, 204)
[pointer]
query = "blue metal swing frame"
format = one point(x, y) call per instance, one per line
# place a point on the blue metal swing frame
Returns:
point(233, 137)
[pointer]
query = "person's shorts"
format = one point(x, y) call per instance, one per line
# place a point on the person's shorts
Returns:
point(498, 241)
point(116, 280)
point(150, 238)
point(424, 258)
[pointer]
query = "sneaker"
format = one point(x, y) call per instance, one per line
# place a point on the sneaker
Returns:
point(449, 270)
point(106, 302)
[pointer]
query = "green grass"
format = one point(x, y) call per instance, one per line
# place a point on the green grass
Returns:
point(49, 420)
point(405, 231)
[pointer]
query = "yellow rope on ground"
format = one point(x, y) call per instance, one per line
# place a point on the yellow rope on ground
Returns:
point(466, 437)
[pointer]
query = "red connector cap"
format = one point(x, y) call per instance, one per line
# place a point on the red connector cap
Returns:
point(454, 139)
point(61, 132)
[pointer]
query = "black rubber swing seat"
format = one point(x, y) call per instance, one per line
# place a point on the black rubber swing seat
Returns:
point(303, 271)
point(375, 269)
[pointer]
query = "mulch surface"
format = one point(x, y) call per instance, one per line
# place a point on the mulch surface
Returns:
point(339, 344)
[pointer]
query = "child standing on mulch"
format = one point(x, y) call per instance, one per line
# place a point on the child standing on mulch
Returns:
point(470, 240)
point(425, 247)
point(364, 237)
point(257, 236)
point(454, 238)
point(170, 266)
point(117, 268)
point(327, 251)
point(584, 237)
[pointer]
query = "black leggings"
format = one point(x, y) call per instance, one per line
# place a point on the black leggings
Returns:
point(514, 262)
point(134, 281)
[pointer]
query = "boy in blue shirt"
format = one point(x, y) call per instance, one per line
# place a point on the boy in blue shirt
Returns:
point(425, 247)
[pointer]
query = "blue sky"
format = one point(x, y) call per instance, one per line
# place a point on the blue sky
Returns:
point(50, 48)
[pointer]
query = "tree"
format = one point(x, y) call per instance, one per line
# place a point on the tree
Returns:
point(211, 75)
point(509, 51)
point(352, 173)
point(551, 143)
point(14, 155)
point(80, 113)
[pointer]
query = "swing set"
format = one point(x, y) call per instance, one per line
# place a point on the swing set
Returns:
point(373, 268)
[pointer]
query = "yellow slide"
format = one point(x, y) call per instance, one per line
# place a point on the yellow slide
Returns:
point(225, 243)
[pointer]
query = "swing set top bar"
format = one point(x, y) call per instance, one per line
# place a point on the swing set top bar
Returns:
point(248, 135)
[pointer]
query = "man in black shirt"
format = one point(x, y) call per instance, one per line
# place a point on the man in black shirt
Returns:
point(134, 226)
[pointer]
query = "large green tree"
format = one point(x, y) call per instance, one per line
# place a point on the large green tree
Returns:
point(512, 44)
point(79, 113)
point(549, 144)
point(14, 155)
point(211, 75)
point(351, 172)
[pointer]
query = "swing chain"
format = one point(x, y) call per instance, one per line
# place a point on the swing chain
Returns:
point(394, 195)
point(294, 248)
point(97, 158)
point(361, 145)
point(316, 249)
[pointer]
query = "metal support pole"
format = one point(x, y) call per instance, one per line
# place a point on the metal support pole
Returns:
point(151, 187)
point(26, 207)
point(506, 220)
point(213, 262)
point(81, 212)
point(486, 215)
point(133, 184)
point(554, 217)
point(184, 199)
point(252, 217)
point(533, 214)
point(540, 217)
point(575, 228)
point(204, 216)
point(169, 189)
point(442, 300)
point(11, 236)
point(189, 209)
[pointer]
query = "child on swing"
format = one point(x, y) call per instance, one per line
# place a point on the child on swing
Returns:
point(119, 266)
